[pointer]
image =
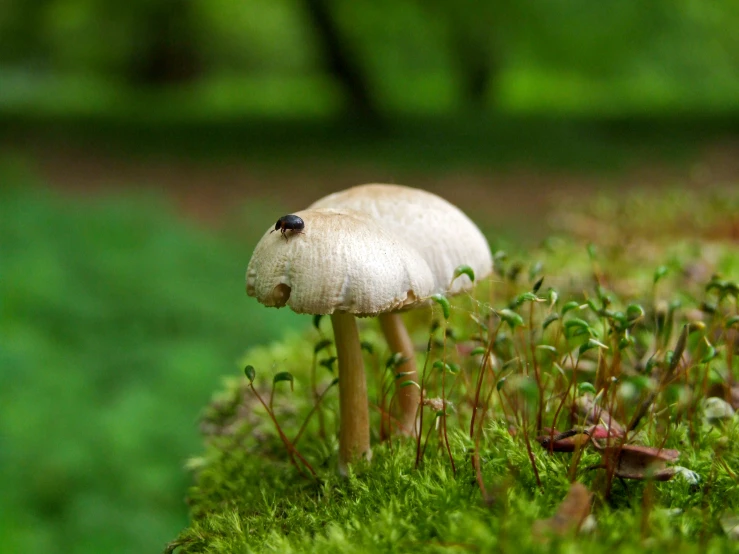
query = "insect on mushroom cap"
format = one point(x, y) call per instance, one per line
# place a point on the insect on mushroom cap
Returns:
point(342, 261)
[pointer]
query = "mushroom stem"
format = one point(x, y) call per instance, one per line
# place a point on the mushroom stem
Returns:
point(354, 434)
point(398, 339)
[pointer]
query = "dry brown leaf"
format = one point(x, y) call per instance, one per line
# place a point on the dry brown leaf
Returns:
point(569, 515)
point(568, 441)
point(596, 415)
point(640, 462)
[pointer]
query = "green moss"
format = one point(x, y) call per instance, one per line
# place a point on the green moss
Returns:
point(618, 336)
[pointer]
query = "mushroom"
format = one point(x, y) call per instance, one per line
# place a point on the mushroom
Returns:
point(344, 264)
point(444, 236)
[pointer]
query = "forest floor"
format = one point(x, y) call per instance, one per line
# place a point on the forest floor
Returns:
point(208, 188)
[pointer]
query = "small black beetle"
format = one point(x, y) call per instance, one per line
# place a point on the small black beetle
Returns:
point(289, 223)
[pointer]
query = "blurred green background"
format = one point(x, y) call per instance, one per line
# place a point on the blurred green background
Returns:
point(145, 145)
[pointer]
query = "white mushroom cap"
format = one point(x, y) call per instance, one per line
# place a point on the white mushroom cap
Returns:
point(445, 237)
point(342, 261)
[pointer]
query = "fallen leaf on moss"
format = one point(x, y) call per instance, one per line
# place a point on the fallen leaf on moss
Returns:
point(568, 441)
point(640, 462)
point(596, 415)
point(569, 516)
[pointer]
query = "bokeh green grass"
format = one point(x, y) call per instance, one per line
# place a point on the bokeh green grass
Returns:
point(117, 319)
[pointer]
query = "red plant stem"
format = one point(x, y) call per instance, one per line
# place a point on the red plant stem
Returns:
point(426, 441)
point(531, 454)
point(420, 404)
point(290, 448)
point(310, 414)
point(556, 413)
point(443, 406)
point(537, 375)
point(481, 377)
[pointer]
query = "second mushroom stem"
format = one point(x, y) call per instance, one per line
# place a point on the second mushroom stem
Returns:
point(354, 434)
point(408, 397)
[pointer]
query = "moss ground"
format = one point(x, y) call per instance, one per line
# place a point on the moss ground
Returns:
point(638, 301)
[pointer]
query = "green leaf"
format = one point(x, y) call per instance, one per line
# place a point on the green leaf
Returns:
point(586, 387)
point(552, 297)
point(283, 376)
point(395, 360)
point(592, 343)
point(320, 345)
point(625, 342)
point(464, 270)
point(511, 318)
point(571, 305)
point(711, 353)
point(451, 368)
point(250, 373)
point(715, 283)
point(521, 298)
point(317, 321)
point(619, 318)
point(634, 312)
point(537, 285)
point(584, 347)
point(442, 301)
point(659, 273)
point(576, 326)
point(500, 383)
point(734, 320)
point(551, 318)
point(328, 363)
point(402, 374)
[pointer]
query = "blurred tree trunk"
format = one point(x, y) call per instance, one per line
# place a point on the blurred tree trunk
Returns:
point(340, 59)
point(168, 52)
point(473, 37)
point(476, 64)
